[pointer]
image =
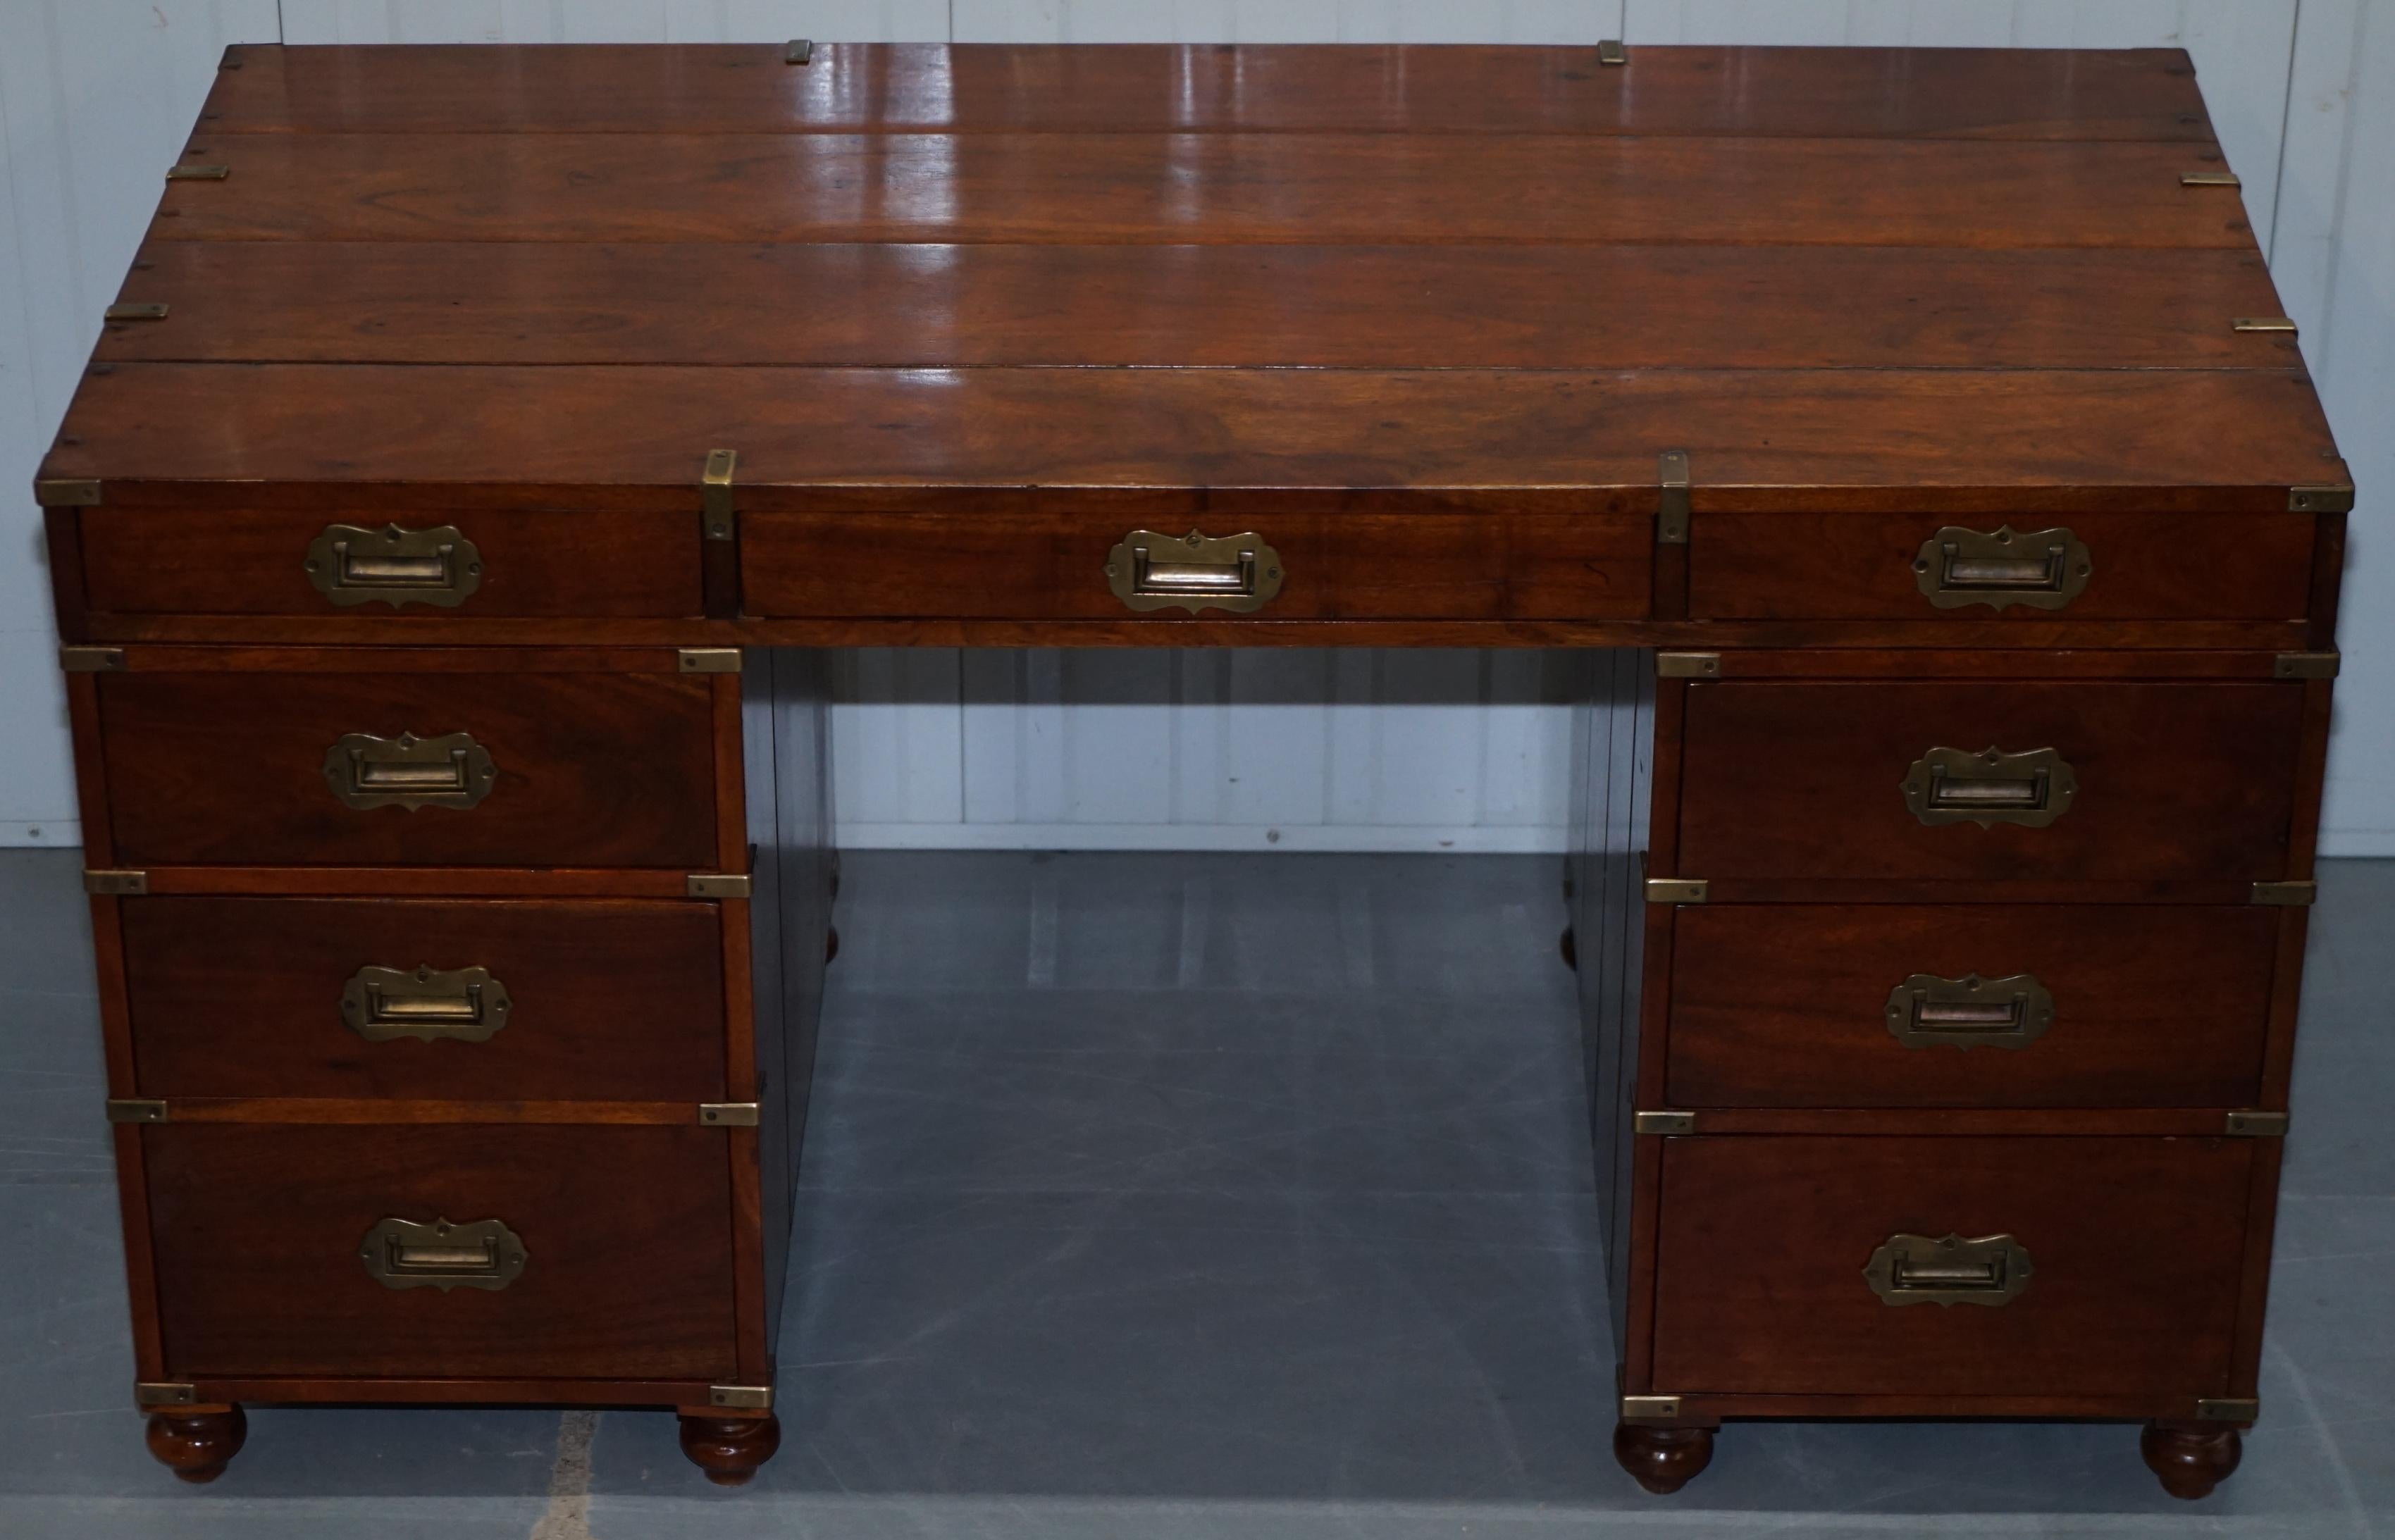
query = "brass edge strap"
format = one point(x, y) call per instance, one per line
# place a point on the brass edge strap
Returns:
point(2209, 178)
point(1672, 501)
point(2261, 323)
point(716, 519)
point(134, 312)
point(198, 173)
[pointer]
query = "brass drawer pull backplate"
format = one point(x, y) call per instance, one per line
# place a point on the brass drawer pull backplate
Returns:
point(1239, 572)
point(482, 1254)
point(449, 771)
point(2042, 569)
point(462, 1006)
point(1948, 1269)
point(1969, 1012)
point(1950, 785)
point(352, 565)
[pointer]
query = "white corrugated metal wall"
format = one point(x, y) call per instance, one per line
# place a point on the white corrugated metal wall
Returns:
point(1391, 750)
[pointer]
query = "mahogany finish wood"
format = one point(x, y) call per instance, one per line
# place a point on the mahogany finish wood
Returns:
point(610, 1000)
point(1805, 780)
point(2155, 1006)
point(197, 1446)
point(628, 1270)
point(2134, 1245)
point(1424, 319)
point(2191, 1461)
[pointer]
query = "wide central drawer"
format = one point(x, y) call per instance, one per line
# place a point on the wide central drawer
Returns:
point(432, 999)
point(1969, 1004)
point(1822, 1266)
point(498, 767)
point(580, 1252)
point(1989, 780)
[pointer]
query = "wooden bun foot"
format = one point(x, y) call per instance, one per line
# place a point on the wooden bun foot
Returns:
point(1663, 1459)
point(1570, 950)
point(197, 1446)
point(730, 1449)
point(2190, 1460)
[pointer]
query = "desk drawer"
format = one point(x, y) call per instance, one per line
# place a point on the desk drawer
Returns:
point(424, 567)
point(625, 1235)
point(2093, 780)
point(2087, 566)
point(2125, 1254)
point(1873, 1006)
point(505, 767)
point(425, 999)
point(1592, 566)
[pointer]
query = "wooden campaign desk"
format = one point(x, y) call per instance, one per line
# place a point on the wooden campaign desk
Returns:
point(484, 433)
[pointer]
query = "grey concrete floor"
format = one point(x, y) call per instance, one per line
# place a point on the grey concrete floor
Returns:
point(1176, 1197)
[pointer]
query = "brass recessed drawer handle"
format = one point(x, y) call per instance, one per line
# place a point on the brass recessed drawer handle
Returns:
point(1948, 1269)
point(449, 771)
point(352, 565)
point(1969, 1012)
point(1950, 785)
point(2042, 569)
point(1148, 570)
point(463, 1005)
point(402, 1254)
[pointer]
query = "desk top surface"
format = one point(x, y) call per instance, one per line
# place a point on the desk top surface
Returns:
point(1463, 275)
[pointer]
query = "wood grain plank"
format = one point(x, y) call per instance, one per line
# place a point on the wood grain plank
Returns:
point(1757, 437)
point(1559, 307)
point(2028, 93)
point(1207, 188)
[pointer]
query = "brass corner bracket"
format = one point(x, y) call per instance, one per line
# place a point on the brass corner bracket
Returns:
point(134, 1110)
point(2227, 1408)
point(2286, 895)
point(2335, 498)
point(116, 884)
point(1688, 666)
point(715, 495)
point(198, 173)
point(91, 660)
point(2306, 665)
point(1649, 1408)
point(2254, 1124)
point(707, 660)
point(67, 492)
point(2261, 323)
point(134, 312)
point(1672, 504)
point(716, 885)
point(2210, 178)
point(801, 50)
point(747, 1398)
point(1663, 1123)
point(165, 1392)
point(1676, 889)
point(1611, 52)
point(728, 1114)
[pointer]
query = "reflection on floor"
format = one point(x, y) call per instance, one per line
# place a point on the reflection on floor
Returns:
point(1180, 1196)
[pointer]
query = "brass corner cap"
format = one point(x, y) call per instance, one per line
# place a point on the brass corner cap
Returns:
point(801, 50)
point(1649, 1408)
point(91, 660)
point(116, 884)
point(716, 885)
point(750, 1397)
point(1663, 1123)
point(136, 1110)
point(1611, 50)
point(2332, 497)
point(67, 492)
point(2247, 1124)
point(2209, 178)
point(1676, 889)
point(1688, 666)
point(708, 660)
point(2286, 895)
point(2306, 665)
point(165, 1392)
point(2228, 1408)
point(728, 1114)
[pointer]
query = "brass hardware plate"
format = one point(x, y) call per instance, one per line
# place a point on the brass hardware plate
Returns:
point(1671, 505)
point(801, 50)
point(449, 771)
point(1611, 52)
point(198, 173)
point(133, 1110)
point(350, 564)
point(2286, 895)
point(165, 1392)
point(1649, 1408)
point(2209, 178)
point(1663, 1123)
point(1688, 666)
point(2322, 499)
point(2262, 324)
point(2306, 665)
point(2227, 1408)
point(716, 885)
point(118, 885)
point(708, 660)
point(2253, 1124)
point(716, 516)
point(1239, 572)
point(134, 312)
point(462, 1004)
point(2041, 569)
point(1948, 1269)
point(69, 491)
point(728, 1114)
point(1676, 890)
point(1969, 1012)
point(747, 1398)
point(1949, 786)
point(482, 1253)
point(91, 660)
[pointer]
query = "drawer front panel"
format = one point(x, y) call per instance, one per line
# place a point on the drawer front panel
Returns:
point(435, 1000)
point(511, 564)
point(586, 769)
point(2138, 566)
point(2143, 781)
point(1003, 566)
point(2126, 1275)
point(2095, 1005)
point(626, 1241)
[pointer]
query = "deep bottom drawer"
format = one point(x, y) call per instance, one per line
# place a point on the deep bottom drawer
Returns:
point(625, 1237)
point(2129, 1287)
